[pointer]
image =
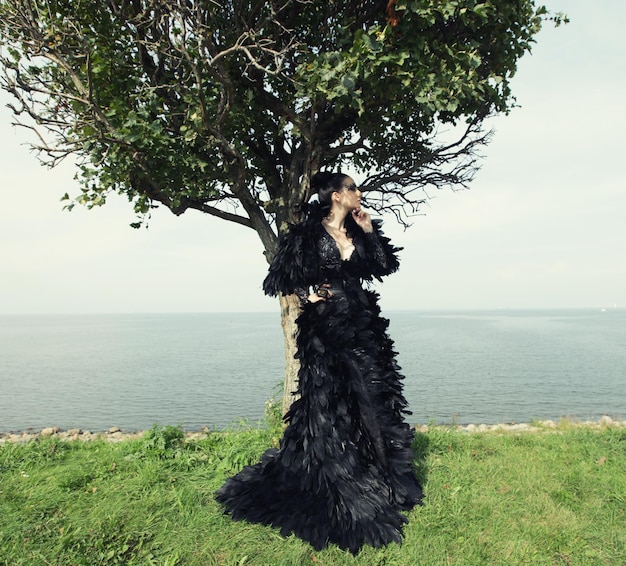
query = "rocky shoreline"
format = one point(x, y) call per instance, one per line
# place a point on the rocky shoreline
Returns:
point(535, 426)
point(115, 434)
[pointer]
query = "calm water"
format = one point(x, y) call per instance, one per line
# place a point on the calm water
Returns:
point(135, 370)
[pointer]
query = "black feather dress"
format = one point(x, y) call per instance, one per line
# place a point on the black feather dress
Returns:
point(343, 471)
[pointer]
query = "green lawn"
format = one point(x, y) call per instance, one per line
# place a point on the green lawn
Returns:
point(554, 498)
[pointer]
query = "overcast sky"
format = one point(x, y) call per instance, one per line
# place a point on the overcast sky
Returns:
point(544, 225)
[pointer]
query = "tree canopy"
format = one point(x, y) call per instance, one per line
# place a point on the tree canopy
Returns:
point(229, 106)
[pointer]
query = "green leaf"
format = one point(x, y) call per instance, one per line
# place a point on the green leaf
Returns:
point(372, 44)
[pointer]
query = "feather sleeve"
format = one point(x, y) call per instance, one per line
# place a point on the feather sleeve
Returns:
point(295, 265)
point(380, 254)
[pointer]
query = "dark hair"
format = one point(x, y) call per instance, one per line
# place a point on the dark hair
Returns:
point(325, 184)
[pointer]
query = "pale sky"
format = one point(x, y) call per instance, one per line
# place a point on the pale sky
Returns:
point(544, 225)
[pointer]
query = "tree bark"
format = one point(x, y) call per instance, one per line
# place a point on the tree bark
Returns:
point(289, 310)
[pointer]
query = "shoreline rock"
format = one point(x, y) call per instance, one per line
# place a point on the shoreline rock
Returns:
point(115, 434)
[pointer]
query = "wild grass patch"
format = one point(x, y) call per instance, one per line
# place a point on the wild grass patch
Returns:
point(554, 498)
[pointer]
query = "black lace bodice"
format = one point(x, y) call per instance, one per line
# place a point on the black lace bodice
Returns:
point(330, 260)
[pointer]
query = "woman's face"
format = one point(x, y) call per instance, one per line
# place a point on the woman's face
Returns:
point(350, 194)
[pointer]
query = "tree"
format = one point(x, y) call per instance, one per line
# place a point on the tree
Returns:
point(230, 106)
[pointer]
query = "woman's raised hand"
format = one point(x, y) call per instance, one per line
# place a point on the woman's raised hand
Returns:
point(363, 219)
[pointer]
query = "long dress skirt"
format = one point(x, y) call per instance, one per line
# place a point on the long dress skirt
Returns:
point(343, 473)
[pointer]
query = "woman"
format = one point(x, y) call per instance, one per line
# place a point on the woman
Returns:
point(343, 471)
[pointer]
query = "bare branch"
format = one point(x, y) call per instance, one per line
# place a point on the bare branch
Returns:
point(403, 191)
point(213, 211)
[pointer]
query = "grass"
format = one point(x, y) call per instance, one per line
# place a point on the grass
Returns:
point(553, 498)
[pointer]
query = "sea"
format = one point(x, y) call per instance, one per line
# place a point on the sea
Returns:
point(219, 370)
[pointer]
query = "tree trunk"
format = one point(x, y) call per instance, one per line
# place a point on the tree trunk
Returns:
point(289, 310)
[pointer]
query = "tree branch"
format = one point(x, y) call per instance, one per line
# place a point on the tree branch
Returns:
point(452, 165)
